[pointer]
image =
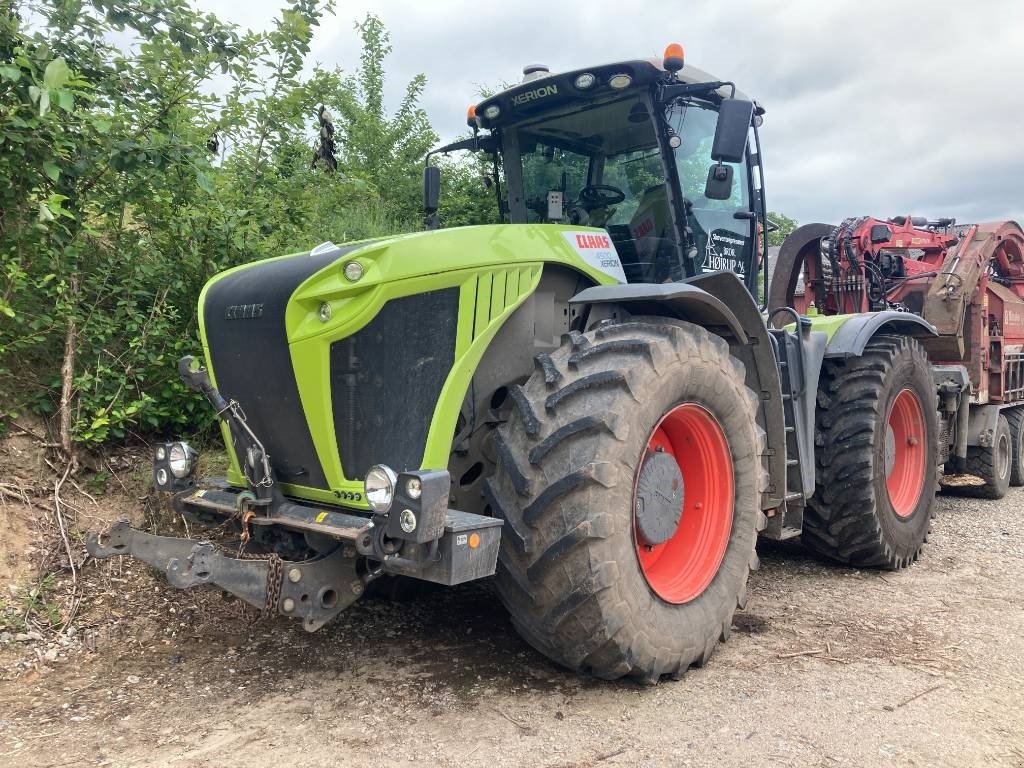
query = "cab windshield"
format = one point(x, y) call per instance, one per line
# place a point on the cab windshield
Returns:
point(601, 167)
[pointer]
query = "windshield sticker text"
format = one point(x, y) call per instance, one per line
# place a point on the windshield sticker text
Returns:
point(725, 251)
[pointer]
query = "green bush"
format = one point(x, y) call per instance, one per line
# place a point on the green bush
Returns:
point(116, 212)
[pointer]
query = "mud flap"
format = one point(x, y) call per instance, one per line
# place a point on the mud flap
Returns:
point(314, 590)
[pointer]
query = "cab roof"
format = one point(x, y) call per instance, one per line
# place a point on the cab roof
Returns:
point(542, 90)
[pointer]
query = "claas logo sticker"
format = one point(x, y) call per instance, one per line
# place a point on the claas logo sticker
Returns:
point(593, 241)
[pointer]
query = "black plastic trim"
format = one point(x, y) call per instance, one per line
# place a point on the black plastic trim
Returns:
point(251, 360)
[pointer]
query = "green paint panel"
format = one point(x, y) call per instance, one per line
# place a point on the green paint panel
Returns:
point(483, 303)
point(495, 269)
point(498, 281)
point(829, 323)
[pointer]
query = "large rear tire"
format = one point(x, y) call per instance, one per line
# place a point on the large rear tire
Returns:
point(992, 463)
point(602, 568)
point(876, 456)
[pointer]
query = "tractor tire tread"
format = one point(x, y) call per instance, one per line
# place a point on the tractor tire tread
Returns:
point(840, 519)
point(1015, 419)
point(563, 590)
point(981, 462)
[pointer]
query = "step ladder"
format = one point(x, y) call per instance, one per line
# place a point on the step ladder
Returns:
point(787, 521)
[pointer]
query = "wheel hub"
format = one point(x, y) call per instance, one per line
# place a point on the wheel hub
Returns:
point(905, 453)
point(659, 499)
point(686, 461)
point(890, 450)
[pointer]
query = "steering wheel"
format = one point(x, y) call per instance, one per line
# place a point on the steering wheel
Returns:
point(601, 195)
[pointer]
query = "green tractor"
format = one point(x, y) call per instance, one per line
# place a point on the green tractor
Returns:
point(587, 401)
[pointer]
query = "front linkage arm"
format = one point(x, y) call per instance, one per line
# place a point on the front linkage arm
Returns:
point(254, 458)
point(314, 590)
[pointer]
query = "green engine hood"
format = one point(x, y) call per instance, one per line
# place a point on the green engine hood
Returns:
point(422, 254)
point(281, 335)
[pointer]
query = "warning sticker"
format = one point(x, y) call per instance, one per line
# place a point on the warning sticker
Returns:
point(597, 249)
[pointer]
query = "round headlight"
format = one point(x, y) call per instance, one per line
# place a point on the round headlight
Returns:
point(413, 488)
point(379, 487)
point(584, 81)
point(161, 453)
point(492, 111)
point(161, 476)
point(620, 81)
point(324, 312)
point(353, 271)
point(181, 459)
point(407, 520)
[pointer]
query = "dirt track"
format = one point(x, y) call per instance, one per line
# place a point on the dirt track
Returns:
point(826, 667)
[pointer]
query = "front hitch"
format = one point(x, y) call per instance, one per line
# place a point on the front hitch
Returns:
point(313, 590)
point(253, 457)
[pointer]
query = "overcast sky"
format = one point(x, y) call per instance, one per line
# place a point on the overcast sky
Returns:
point(873, 107)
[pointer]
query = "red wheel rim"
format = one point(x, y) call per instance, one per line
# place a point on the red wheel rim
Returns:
point(905, 453)
point(681, 568)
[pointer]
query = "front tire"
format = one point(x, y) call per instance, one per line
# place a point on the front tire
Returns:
point(578, 576)
point(876, 455)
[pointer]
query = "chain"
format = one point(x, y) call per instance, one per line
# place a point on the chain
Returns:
point(274, 578)
point(245, 535)
point(274, 570)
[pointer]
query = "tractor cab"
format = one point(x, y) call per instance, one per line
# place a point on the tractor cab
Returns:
point(640, 149)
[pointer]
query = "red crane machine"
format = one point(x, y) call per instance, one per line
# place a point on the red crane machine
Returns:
point(967, 281)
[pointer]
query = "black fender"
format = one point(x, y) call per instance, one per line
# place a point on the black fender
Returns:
point(853, 336)
point(786, 271)
point(680, 300)
point(720, 302)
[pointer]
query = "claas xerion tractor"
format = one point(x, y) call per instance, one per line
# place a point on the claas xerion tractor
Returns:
point(587, 401)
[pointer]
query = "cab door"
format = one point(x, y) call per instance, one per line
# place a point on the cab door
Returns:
point(724, 242)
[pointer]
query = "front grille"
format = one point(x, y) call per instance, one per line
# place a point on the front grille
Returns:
point(386, 380)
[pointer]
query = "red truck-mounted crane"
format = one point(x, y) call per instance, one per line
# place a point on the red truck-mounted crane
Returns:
point(967, 281)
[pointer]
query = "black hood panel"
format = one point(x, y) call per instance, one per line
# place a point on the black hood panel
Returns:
point(244, 319)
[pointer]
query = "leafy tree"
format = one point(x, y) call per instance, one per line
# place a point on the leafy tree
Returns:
point(116, 212)
point(377, 148)
point(786, 226)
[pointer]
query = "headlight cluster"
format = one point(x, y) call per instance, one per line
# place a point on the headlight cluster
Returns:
point(174, 466)
point(414, 501)
point(182, 459)
point(380, 485)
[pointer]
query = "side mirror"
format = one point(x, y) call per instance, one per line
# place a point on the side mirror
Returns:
point(431, 195)
point(431, 188)
point(719, 186)
point(734, 120)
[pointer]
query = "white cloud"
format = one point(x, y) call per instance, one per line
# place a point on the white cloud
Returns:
point(874, 107)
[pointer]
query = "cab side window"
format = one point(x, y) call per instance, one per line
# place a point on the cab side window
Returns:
point(723, 242)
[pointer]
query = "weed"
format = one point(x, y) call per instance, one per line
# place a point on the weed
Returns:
point(35, 607)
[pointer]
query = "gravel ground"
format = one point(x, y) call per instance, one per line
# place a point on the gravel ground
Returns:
point(826, 667)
